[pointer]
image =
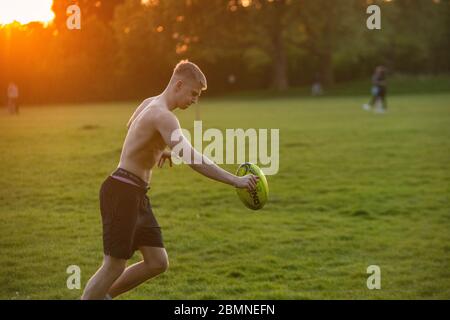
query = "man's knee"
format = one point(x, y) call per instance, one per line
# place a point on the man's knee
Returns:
point(113, 265)
point(164, 264)
point(158, 265)
point(155, 259)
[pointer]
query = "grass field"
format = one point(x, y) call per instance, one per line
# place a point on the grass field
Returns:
point(354, 189)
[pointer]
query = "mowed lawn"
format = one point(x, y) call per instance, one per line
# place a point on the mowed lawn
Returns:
point(354, 189)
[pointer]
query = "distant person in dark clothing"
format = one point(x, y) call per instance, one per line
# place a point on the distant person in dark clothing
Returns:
point(378, 100)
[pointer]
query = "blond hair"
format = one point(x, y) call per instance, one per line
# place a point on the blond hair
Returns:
point(188, 70)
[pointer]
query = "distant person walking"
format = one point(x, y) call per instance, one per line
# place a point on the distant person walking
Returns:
point(13, 97)
point(378, 101)
point(316, 89)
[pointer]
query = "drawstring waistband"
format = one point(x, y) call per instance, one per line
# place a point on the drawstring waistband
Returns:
point(122, 173)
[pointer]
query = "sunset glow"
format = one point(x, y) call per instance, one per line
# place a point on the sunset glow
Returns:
point(26, 11)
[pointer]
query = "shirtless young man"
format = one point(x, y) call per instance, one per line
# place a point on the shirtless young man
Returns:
point(128, 220)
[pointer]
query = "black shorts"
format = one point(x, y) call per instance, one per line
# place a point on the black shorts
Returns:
point(128, 219)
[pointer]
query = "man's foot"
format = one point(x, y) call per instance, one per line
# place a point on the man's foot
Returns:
point(366, 107)
point(107, 297)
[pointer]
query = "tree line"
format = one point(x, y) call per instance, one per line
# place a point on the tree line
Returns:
point(126, 49)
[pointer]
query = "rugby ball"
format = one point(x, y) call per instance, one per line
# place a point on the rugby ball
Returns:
point(257, 198)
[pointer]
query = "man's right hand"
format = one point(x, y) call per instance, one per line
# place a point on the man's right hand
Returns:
point(246, 182)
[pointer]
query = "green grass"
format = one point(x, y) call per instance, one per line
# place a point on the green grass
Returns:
point(354, 189)
point(398, 84)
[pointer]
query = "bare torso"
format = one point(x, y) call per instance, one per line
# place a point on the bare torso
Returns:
point(143, 144)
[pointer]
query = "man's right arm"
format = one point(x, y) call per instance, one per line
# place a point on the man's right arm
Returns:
point(169, 129)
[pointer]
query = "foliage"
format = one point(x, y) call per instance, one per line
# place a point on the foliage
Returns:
point(127, 48)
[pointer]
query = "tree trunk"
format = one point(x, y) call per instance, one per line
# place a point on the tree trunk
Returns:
point(326, 56)
point(280, 79)
point(326, 67)
point(279, 59)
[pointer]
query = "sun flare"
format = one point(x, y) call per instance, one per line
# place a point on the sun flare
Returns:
point(26, 11)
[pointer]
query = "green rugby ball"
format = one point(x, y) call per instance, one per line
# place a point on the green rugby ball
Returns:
point(257, 198)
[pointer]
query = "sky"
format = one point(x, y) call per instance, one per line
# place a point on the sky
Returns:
point(25, 11)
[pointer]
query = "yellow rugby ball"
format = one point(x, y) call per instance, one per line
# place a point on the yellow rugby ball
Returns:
point(257, 198)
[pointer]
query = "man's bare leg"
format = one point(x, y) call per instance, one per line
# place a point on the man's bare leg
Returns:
point(155, 262)
point(98, 286)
